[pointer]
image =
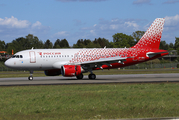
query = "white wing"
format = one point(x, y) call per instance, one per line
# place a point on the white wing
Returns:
point(93, 63)
point(102, 61)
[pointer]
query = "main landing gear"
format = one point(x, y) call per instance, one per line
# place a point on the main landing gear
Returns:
point(80, 76)
point(31, 76)
point(90, 76)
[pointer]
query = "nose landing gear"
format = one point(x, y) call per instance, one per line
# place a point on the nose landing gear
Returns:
point(31, 76)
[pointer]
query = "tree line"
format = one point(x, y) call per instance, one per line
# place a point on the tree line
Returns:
point(120, 40)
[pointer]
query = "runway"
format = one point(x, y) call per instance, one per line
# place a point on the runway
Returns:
point(100, 79)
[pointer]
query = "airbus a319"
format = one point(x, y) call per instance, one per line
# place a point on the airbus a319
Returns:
point(75, 62)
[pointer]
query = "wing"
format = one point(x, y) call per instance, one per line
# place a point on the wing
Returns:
point(103, 61)
point(94, 63)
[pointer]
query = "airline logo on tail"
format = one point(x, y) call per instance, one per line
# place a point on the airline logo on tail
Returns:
point(151, 38)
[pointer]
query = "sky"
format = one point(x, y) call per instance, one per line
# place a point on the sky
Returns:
point(85, 19)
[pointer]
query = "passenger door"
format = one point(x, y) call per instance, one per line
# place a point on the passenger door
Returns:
point(32, 57)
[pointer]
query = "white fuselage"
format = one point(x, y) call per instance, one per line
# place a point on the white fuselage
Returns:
point(40, 59)
point(44, 59)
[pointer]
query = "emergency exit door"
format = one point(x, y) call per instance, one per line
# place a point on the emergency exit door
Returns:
point(32, 57)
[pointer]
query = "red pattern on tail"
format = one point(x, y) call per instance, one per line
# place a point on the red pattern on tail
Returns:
point(151, 38)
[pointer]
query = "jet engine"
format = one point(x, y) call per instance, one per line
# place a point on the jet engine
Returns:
point(53, 72)
point(71, 70)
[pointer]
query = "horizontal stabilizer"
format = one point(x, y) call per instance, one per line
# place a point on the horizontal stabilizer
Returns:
point(152, 54)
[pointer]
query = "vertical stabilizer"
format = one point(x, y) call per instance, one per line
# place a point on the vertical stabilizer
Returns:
point(151, 38)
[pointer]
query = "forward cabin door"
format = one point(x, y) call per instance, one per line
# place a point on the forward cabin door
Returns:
point(32, 57)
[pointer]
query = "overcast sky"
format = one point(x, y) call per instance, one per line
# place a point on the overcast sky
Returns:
point(85, 19)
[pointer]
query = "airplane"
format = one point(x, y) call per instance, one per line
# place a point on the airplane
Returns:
point(75, 62)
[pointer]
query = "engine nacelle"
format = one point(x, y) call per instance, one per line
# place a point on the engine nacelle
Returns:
point(53, 72)
point(71, 70)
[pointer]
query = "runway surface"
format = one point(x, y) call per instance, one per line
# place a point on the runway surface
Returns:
point(57, 80)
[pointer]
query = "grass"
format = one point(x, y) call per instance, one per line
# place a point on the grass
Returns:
point(9, 74)
point(6, 74)
point(105, 101)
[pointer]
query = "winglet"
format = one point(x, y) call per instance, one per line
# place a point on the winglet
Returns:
point(151, 38)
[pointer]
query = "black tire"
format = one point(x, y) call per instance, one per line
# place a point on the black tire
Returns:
point(92, 76)
point(79, 76)
point(30, 78)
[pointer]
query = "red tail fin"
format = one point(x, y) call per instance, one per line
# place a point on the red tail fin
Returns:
point(151, 38)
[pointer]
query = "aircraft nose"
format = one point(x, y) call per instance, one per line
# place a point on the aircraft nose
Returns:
point(8, 63)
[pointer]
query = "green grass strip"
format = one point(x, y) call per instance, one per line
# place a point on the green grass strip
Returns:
point(105, 101)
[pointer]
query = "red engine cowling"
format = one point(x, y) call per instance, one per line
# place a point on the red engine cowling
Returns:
point(71, 70)
point(53, 72)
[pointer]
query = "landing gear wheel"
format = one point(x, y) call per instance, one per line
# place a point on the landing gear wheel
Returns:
point(92, 76)
point(31, 75)
point(79, 76)
point(30, 78)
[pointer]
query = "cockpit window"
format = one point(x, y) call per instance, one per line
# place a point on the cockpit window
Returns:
point(17, 56)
